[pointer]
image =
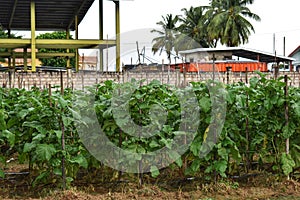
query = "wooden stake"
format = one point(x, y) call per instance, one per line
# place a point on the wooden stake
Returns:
point(62, 135)
point(286, 113)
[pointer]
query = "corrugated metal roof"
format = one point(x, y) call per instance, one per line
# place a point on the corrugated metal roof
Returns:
point(50, 14)
point(243, 53)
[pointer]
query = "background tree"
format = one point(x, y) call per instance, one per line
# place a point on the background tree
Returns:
point(4, 34)
point(193, 28)
point(167, 35)
point(228, 21)
point(223, 21)
point(58, 61)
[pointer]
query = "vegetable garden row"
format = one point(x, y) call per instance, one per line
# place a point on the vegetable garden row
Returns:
point(260, 131)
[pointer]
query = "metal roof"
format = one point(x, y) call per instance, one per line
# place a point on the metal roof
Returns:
point(50, 14)
point(243, 53)
point(295, 51)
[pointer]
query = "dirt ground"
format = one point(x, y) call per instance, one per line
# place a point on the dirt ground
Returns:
point(261, 186)
point(254, 185)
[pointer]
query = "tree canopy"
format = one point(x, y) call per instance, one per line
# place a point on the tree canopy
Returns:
point(58, 61)
point(223, 22)
point(228, 22)
point(166, 39)
point(5, 34)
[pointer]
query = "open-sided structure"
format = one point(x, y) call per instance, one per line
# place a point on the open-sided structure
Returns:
point(52, 15)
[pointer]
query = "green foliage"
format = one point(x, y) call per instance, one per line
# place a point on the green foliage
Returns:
point(58, 61)
point(193, 29)
point(166, 37)
point(287, 163)
point(228, 21)
point(224, 21)
point(4, 34)
point(32, 127)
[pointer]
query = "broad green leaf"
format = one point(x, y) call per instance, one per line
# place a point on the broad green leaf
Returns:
point(80, 160)
point(41, 178)
point(75, 114)
point(44, 152)
point(221, 167)
point(287, 163)
point(154, 171)
point(205, 104)
point(2, 174)
point(195, 165)
point(154, 144)
point(176, 157)
point(58, 134)
point(166, 142)
point(23, 113)
point(179, 162)
point(38, 137)
point(9, 136)
point(32, 124)
point(57, 171)
point(2, 121)
point(235, 153)
point(2, 159)
point(28, 147)
point(67, 120)
point(196, 145)
point(222, 152)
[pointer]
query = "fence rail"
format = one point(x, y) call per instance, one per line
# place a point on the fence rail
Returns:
point(82, 79)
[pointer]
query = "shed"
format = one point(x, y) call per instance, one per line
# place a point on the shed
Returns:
point(226, 53)
point(296, 55)
point(52, 15)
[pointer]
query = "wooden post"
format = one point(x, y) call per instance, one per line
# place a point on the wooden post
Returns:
point(162, 72)
point(247, 135)
point(77, 51)
point(246, 75)
point(50, 94)
point(62, 135)
point(214, 67)
point(286, 113)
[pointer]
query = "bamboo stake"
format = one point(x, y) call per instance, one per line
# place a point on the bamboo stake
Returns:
point(286, 113)
point(62, 135)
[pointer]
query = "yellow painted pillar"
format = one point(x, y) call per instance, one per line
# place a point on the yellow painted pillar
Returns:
point(117, 35)
point(101, 33)
point(33, 44)
point(68, 50)
point(76, 37)
point(9, 50)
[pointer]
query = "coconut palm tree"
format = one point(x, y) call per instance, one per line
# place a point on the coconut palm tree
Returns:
point(228, 21)
point(166, 35)
point(193, 28)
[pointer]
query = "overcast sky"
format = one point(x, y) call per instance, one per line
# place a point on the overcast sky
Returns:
point(277, 16)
